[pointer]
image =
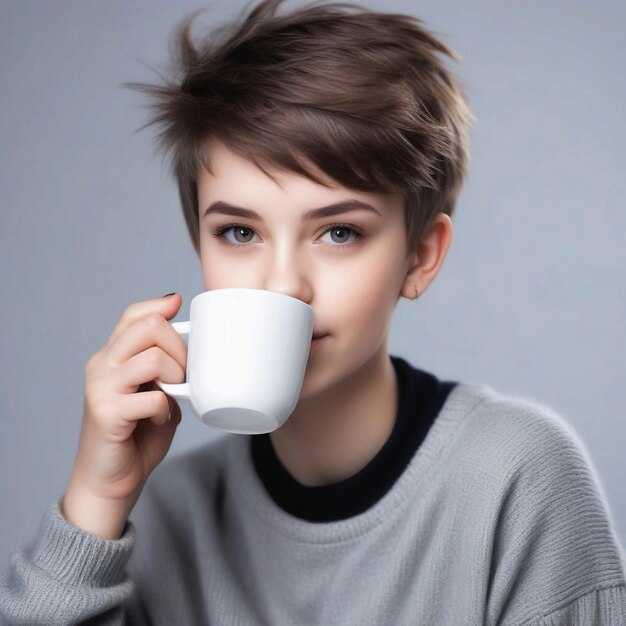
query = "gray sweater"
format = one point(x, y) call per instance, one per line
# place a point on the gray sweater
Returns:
point(499, 518)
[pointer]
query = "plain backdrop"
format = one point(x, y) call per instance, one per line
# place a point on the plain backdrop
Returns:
point(530, 300)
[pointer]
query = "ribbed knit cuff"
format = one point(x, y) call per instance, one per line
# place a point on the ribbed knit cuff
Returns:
point(76, 557)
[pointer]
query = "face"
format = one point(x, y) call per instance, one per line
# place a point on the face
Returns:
point(350, 267)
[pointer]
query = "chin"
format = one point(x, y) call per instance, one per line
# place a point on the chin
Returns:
point(315, 381)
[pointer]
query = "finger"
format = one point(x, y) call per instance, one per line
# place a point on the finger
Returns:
point(167, 307)
point(158, 415)
point(144, 367)
point(175, 410)
point(120, 415)
point(151, 330)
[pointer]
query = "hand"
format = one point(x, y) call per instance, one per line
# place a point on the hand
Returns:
point(125, 431)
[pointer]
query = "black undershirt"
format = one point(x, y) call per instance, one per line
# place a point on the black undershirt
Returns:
point(420, 398)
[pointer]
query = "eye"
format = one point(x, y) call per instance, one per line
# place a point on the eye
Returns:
point(238, 229)
point(340, 233)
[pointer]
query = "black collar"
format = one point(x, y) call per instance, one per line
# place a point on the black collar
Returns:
point(421, 396)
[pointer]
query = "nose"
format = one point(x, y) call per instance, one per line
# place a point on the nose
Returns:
point(288, 275)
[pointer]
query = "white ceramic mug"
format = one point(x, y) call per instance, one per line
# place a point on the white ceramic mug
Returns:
point(246, 358)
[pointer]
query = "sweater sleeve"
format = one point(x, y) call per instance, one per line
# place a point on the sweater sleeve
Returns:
point(600, 607)
point(69, 576)
point(556, 558)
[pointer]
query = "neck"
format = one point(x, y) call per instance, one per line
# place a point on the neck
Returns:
point(334, 434)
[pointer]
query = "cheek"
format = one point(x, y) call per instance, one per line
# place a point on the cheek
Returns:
point(365, 291)
point(219, 271)
point(214, 276)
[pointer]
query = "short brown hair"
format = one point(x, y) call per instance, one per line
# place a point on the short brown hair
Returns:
point(362, 95)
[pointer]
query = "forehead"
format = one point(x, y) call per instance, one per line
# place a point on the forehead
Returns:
point(226, 164)
point(237, 180)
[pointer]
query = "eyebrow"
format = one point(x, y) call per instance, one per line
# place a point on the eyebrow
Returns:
point(326, 211)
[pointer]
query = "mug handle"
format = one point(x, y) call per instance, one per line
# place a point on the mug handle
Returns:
point(176, 390)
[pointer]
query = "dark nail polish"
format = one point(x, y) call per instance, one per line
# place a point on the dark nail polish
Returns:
point(167, 295)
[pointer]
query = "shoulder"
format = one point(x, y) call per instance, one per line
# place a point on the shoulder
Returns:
point(524, 462)
point(534, 462)
point(550, 530)
point(518, 438)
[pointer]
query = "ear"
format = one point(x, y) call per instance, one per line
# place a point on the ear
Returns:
point(423, 265)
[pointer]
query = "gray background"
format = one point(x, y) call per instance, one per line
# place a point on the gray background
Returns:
point(529, 301)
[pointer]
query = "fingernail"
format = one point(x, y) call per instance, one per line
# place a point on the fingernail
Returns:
point(167, 295)
point(169, 416)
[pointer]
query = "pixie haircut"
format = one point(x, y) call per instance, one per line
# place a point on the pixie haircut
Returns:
point(361, 95)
